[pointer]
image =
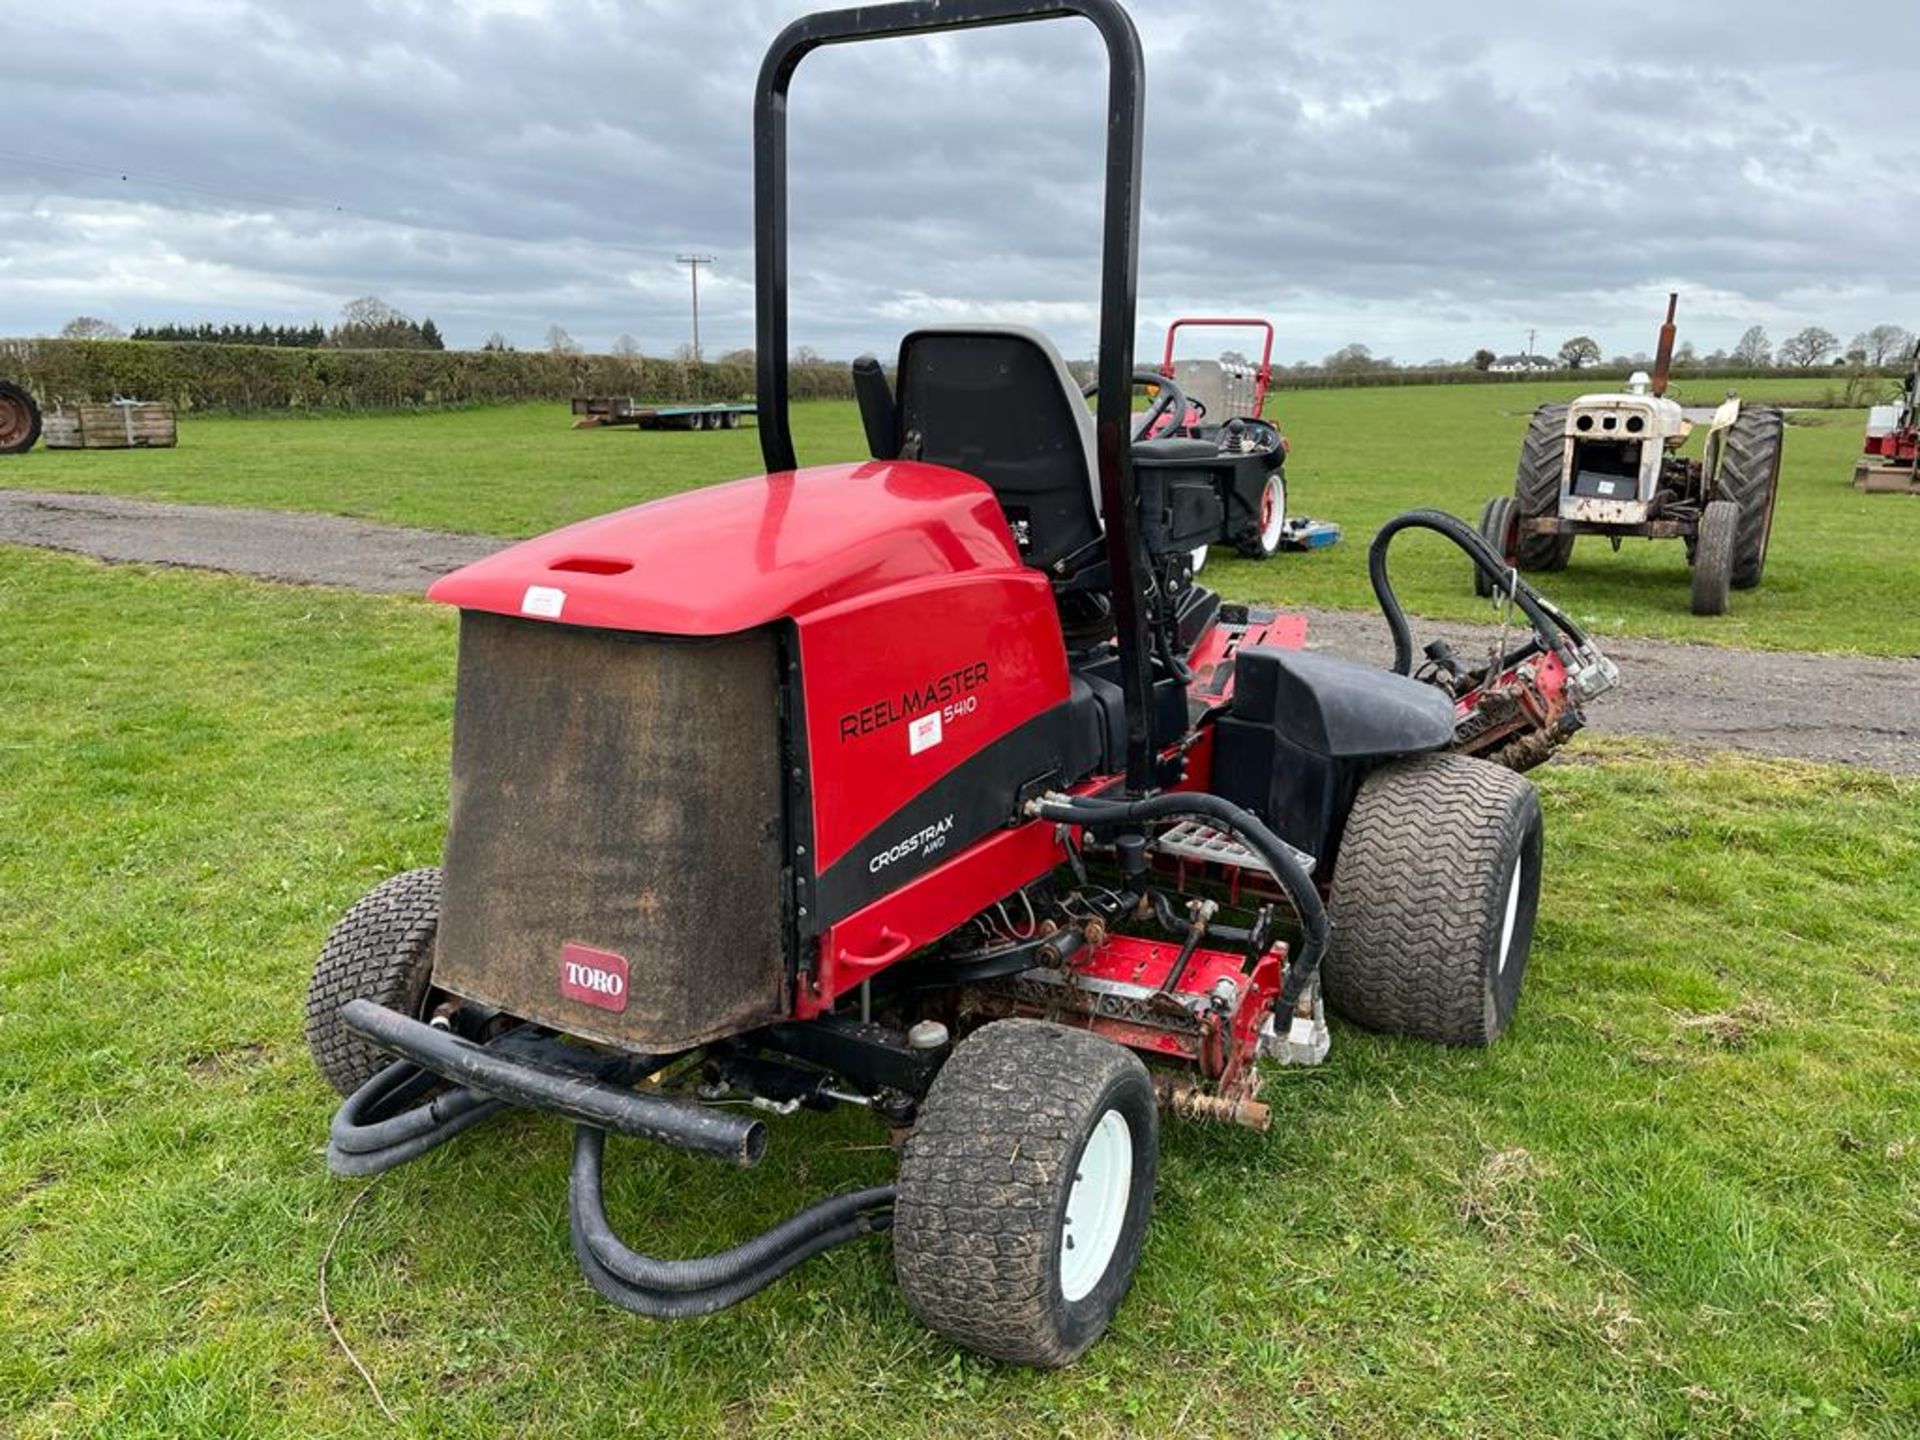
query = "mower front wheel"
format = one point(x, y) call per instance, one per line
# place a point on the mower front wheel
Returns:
point(1262, 540)
point(1025, 1190)
point(1433, 900)
point(382, 950)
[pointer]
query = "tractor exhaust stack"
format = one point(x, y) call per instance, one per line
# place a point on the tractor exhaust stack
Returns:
point(1663, 357)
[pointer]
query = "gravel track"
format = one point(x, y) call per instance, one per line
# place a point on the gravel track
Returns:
point(1814, 707)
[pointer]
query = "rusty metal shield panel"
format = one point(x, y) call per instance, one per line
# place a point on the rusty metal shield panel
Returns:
point(614, 847)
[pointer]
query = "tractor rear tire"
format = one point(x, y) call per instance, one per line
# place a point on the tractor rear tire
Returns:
point(1025, 1191)
point(382, 950)
point(1434, 893)
point(1713, 556)
point(1750, 477)
point(1536, 488)
point(19, 420)
point(1496, 528)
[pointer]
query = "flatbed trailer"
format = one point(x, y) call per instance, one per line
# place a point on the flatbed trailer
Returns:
point(591, 411)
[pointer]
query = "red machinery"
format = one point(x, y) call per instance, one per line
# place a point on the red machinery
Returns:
point(933, 785)
point(1227, 399)
point(1244, 391)
point(1893, 440)
point(19, 419)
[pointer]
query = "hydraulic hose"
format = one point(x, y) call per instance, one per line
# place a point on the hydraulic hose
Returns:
point(384, 1123)
point(1315, 929)
point(674, 1289)
point(1544, 618)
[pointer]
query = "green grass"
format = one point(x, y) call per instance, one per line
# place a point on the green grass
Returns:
point(1841, 574)
point(1682, 1197)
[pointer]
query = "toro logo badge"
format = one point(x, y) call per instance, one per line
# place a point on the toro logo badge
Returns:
point(593, 977)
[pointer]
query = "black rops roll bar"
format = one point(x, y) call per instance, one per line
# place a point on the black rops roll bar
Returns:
point(1119, 275)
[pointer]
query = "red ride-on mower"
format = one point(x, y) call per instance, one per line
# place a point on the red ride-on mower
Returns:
point(1226, 404)
point(931, 785)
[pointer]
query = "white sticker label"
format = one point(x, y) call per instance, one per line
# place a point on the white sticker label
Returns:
point(924, 733)
point(543, 600)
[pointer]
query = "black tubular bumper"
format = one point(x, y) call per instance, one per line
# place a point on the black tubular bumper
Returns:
point(541, 1073)
point(408, 1109)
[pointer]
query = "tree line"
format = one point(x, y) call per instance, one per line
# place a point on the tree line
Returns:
point(1874, 349)
point(368, 323)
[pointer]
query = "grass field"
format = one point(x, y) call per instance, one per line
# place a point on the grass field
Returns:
point(1682, 1197)
point(1841, 574)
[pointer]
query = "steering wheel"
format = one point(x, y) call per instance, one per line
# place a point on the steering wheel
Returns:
point(1171, 399)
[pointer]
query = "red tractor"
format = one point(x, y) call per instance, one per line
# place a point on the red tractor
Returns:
point(933, 785)
point(1893, 439)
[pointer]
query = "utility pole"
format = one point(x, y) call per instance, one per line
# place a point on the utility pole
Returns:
point(1530, 335)
point(693, 264)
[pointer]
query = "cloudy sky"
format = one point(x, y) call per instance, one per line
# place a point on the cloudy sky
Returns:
point(1423, 179)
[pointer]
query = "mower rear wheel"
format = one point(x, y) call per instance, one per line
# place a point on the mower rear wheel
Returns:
point(1025, 1190)
point(1433, 900)
point(19, 420)
point(1713, 556)
point(1750, 476)
point(1497, 529)
point(382, 950)
point(1536, 488)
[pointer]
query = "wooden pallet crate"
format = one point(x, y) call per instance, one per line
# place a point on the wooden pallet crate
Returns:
point(122, 425)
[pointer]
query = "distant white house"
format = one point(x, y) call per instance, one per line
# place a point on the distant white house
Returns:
point(1521, 364)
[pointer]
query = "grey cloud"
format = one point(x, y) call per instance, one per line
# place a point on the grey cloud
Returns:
point(1426, 179)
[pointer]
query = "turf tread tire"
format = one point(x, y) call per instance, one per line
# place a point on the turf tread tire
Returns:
point(1713, 556)
point(381, 950)
point(1536, 488)
point(984, 1181)
point(1750, 477)
point(1418, 901)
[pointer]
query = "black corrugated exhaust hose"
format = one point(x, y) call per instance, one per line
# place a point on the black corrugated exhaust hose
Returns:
point(1315, 929)
point(678, 1289)
point(386, 1122)
point(1544, 617)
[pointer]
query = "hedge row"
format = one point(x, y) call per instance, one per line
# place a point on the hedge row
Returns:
point(1591, 377)
point(199, 376)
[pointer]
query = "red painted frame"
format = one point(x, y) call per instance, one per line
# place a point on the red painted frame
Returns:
point(1263, 377)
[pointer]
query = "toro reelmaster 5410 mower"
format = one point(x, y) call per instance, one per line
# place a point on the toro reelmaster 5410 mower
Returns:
point(1610, 465)
point(932, 785)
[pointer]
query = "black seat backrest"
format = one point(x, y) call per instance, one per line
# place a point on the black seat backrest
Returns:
point(997, 402)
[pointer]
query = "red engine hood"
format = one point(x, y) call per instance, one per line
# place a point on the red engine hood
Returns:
point(730, 557)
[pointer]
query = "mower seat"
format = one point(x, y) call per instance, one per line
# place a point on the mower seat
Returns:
point(998, 402)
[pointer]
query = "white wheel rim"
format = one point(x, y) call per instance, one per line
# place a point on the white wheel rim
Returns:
point(1096, 1206)
point(1274, 521)
point(1199, 558)
point(1513, 914)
